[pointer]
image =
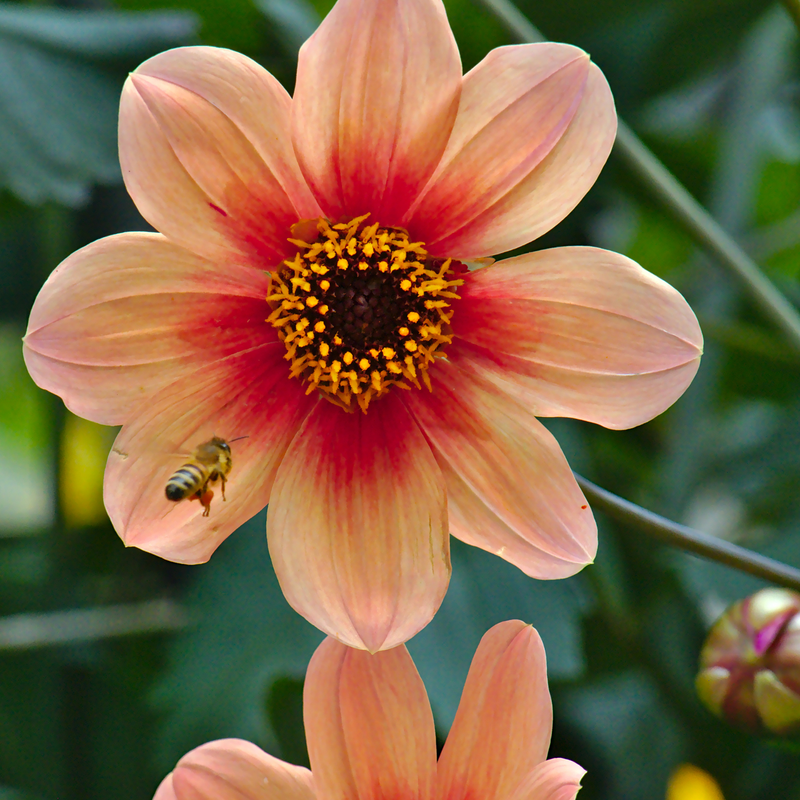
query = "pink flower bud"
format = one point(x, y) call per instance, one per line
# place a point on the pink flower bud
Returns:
point(750, 663)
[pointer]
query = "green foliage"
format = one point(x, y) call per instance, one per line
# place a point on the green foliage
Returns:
point(59, 106)
point(779, 193)
point(245, 637)
point(234, 23)
point(25, 443)
point(485, 590)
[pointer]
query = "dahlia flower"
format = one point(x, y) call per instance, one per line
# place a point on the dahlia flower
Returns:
point(313, 287)
point(370, 734)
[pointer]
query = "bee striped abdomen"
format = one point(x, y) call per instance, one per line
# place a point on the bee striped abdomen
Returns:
point(188, 480)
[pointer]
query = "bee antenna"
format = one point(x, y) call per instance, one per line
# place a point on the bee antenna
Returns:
point(238, 438)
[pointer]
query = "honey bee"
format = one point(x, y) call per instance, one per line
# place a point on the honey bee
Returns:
point(210, 462)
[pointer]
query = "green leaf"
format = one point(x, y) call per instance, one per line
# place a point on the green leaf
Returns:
point(296, 20)
point(485, 590)
point(96, 34)
point(6, 793)
point(638, 739)
point(245, 636)
point(779, 191)
point(26, 491)
point(58, 112)
point(233, 23)
point(285, 713)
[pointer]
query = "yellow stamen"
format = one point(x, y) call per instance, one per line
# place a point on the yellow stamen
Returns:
point(395, 298)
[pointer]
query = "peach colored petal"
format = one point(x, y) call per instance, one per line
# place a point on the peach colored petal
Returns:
point(369, 725)
point(248, 394)
point(357, 526)
point(232, 769)
point(473, 522)
point(252, 99)
point(217, 177)
point(556, 779)
point(377, 92)
point(165, 790)
point(504, 720)
point(512, 490)
point(126, 315)
point(579, 332)
point(534, 128)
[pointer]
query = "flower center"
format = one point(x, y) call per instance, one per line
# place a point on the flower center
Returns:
point(361, 309)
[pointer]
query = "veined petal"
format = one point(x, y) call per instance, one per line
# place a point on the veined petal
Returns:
point(377, 92)
point(475, 523)
point(232, 769)
point(504, 467)
point(357, 526)
point(251, 98)
point(579, 332)
point(165, 791)
point(368, 725)
point(535, 126)
point(126, 315)
point(248, 394)
point(206, 155)
point(556, 779)
point(504, 720)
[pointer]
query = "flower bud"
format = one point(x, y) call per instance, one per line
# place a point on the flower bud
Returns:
point(750, 663)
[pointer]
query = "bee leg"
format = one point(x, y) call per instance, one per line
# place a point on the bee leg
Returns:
point(205, 501)
point(222, 478)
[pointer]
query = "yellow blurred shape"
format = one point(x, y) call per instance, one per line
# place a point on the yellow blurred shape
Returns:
point(84, 450)
point(688, 782)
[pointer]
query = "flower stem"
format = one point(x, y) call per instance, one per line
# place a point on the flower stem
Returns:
point(674, 197)
point(706, 231)
point(58, 628)
point(685, 538)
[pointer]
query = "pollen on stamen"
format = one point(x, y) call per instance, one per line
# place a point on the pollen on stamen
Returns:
point(395, 299)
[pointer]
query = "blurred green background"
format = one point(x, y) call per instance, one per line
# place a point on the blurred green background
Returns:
point(114, 663)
